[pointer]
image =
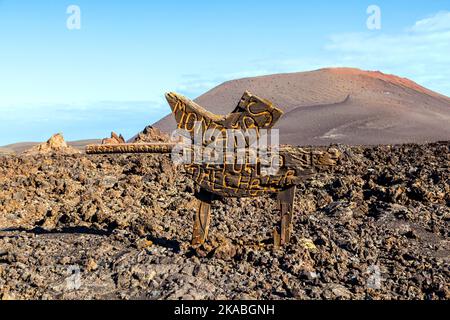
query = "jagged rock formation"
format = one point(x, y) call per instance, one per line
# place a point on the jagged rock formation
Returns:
point(115, 139)
point(151, 134)
point(56, 144)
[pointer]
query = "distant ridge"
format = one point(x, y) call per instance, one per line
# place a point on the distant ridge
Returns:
point(20, 147)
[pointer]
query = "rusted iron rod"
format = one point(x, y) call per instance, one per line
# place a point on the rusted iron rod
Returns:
point(130, 148)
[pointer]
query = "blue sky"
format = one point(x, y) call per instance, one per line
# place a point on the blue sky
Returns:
point(112, 73)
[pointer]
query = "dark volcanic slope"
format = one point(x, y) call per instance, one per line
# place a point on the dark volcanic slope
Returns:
point(340, 106)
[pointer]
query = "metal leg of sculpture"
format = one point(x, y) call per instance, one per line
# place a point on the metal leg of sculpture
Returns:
point(286, 207)
point(202, 217)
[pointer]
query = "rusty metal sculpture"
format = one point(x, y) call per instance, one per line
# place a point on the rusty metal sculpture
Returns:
point(232, 179)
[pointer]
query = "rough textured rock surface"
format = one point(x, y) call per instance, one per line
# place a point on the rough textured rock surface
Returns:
point(74, 226)
point(151, 134)
point(55, 144)
point(114, 139)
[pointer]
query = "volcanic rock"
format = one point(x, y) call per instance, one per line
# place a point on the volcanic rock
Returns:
point(115, 139)
point(56, 144)
point(124, 223)
point(151, 134)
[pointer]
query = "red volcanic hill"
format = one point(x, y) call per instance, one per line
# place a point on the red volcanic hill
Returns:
point(340, 105)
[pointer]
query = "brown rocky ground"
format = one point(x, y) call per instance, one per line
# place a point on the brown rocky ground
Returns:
point(97, 227)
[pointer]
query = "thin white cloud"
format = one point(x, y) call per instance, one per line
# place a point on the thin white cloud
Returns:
point(78, 121)
point(439, 21)
point(421, 52)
